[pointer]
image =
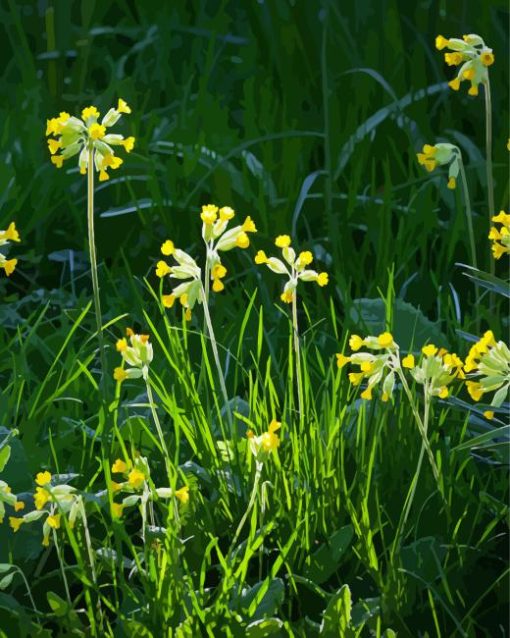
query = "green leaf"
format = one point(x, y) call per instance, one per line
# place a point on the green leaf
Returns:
point(423, 558)
point(337, 617)
point(5, 567)
point(389, 633)
point(325, 561)
point(411, 329)
point(58, 605)
point(364, 610)
point(5, 454)
point(264, 627)
point(485, 440)
point(270, 601)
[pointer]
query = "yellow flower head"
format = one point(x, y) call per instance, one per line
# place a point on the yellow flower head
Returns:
point(408, 361)
point(121, 345)
point(287, 296)
point(168, 300)
point(282, 241)
point(473, 58)
point(117, 509)
point(385, 340)
point(136, 479)
point(16, 522)
point(41, 497)
point(168, 248)
point(119, 374)
point(53, 521)
point(97, 131)
point(355, 342)
point(429, 350)
point(248, 225)
point(261, 257)
point(89, 111)
point(19, 505)
point(122, 107)
point(209, 214)
point(323, 279)
point(441, 42)
point(162, 269)
point(226, 213)
point(367, 394)
point(342, 360)
point(43, 478)
point(183, 494)
point(119, 467)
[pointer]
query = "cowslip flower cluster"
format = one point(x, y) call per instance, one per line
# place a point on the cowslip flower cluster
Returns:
point(488, 361)
point(89, 138)
point(138, 486)
point(500, 237)
point(471, 55)
point(296, 268)
point(8, 498)
point(137, 354)
point(217, 238)
point(440, 155)
point(436, 370)
point(261, 446)
point(375, 366)
point(51, 502)
point(11, 234)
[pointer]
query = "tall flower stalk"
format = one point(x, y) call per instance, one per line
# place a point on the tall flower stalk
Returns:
point(86, 137)
point(218, 238)
point(295, 269)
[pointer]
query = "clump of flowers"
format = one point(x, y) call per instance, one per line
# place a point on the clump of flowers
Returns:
point(471, 55)
point(139, 487)
point(261, 446)
point(500, 237)
point(436, 370)
point(217, 238)
point(295, 267)
point(8, 498)
point(11, 234)
point(88, 137)
point(51, 502)
point(375, 366)
point(440, 155)
point(488, 363)
point(137, 354)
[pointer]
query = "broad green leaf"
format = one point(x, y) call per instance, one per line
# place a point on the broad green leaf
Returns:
point(423, 558)
point(264, 627)
point(58, 605)
point(5, 454)
point(6, 580)
point(325, 561)
point(270, 602)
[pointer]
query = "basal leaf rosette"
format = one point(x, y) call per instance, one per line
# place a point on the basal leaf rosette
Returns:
point(292, 266)
point(488, 367)
point(7, 236)
point(472, 57)
point(89, 138)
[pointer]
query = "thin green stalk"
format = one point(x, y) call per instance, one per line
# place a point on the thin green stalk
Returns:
point(253, 496)
point(29, 592)
point(412, 490)
point(297, 354)
point(62, 569)
point(214, 345)
point(488, 150)
point(159, 430)
point(469, 219)
point(93, 263)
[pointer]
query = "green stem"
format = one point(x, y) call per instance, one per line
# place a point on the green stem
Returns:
point(93, 262)
point(214, 346)
point(297, 354)
point(488, 167)
point(159, 430)
point(471, 234)
point(61, 564)
point(29, 592)
point(253, 496)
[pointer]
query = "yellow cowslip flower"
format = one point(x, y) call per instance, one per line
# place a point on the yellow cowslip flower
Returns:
point(226, 213)
point(218, 272)
point(500, 237)
point(115, 487)
point(287, 296)
point(475, 390)
point(53, 521)
point(304, 259)
point(15, 522)
point(183, 494)
point(489, 414)
point(282, 241)
point(18, 506)
point(472, 55)
point(89, 138)
point(440, 155)
point(168, 248)
point(248, 225)
point(408, 361)
point(168, 300)
point(385, 340)
point(367, 393)
point(342, 360)
point(119, 374)
point(488, 361)
point(6, 236)
point(242, 240)
point(322, 279)
point(443, 392)
point(121, 345)
point(261, 446)
point(261, 257)
point(366, 366)
point(41, 497)
point(119, 467)
point(162, 269)
point(209, 214)
point(356, 378)
point(430, 350)
point(43, 478)
point(136, 479)
point(355, 342)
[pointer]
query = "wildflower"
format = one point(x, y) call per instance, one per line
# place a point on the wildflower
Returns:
point(119, 467)
point(89, 138)
point(7, 498)
point(137, 355)
point(437, 369)
point(168, 248)
point(183, 494)
point(342, 360)
point(117, 509)
point(43, 478)
point(489, 414)
point(136, 479)
point(500, 236)
point(41, 497)
point(408, 361)
point(488, 361)
point(472, 56)
point(440, 155)
point(15, 522)
point(429, 350)
point(6, 236)
point(295, 268)
point(355, 342)
point(268, 442)
point(54, 521)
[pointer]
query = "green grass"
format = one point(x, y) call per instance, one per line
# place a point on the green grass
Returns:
point(307, 117)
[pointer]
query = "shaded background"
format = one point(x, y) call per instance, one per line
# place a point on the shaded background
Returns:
point(287, 111)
